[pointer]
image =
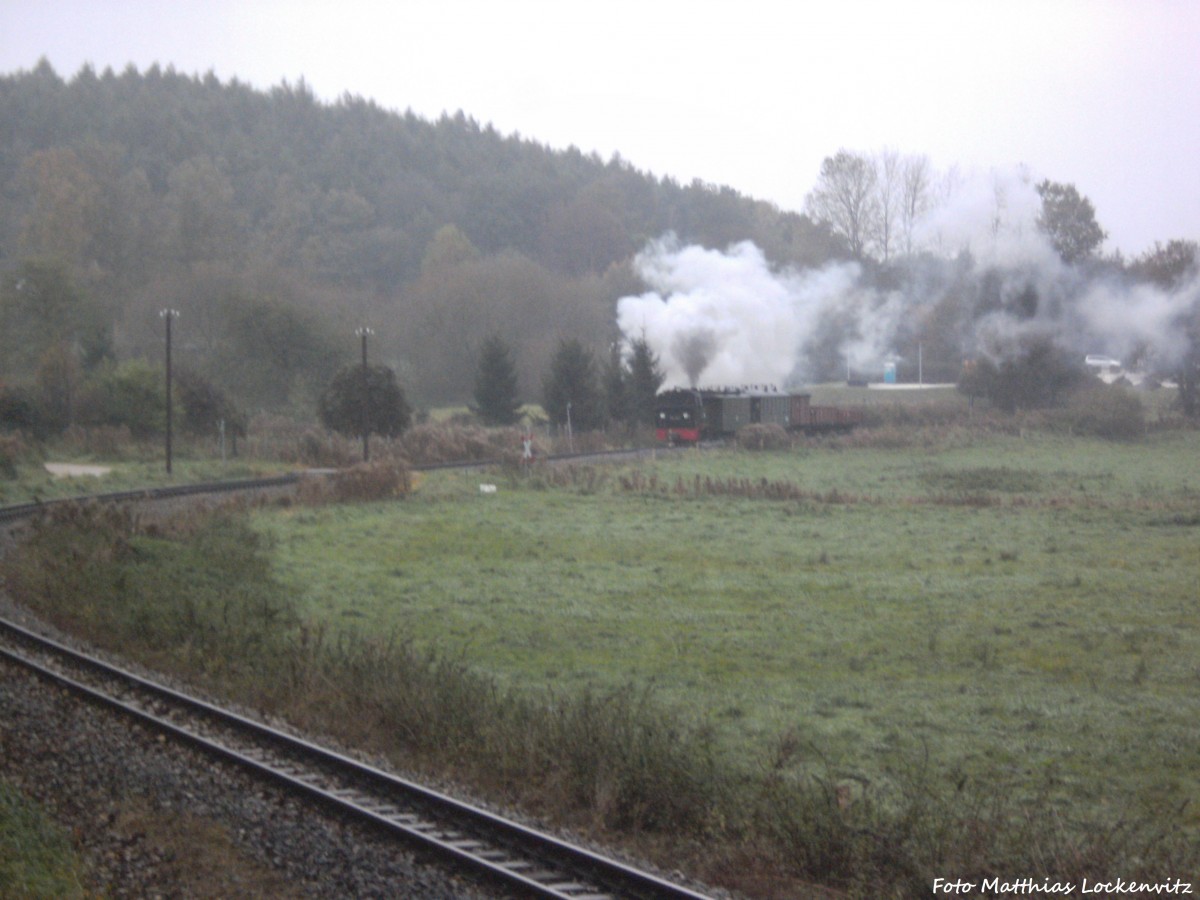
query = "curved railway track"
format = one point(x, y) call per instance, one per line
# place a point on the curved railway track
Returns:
point(526, 860)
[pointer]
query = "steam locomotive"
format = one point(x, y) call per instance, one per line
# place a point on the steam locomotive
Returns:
point(686, 416)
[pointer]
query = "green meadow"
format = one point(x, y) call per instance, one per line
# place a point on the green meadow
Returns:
point(1019, 612)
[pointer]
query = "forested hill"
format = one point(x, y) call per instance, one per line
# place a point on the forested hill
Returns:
point(277, 224)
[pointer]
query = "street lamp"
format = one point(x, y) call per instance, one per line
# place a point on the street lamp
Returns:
point(363, 333)
point(168, 315)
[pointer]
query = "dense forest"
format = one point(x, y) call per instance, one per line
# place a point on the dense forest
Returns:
point(279, 227)
point(276, 225)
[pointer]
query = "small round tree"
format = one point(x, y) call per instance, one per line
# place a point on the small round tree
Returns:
point(369, 398)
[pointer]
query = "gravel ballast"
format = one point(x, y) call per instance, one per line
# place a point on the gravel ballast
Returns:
point(152, 819)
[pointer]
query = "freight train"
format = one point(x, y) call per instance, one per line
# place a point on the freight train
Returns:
point(687, 416)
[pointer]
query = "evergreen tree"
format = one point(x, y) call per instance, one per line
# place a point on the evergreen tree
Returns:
point(616, 386)
point(644, 381)
point(496, 384)
point(572, 388)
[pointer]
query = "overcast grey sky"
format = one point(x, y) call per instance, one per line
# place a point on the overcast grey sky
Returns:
point(752, 94)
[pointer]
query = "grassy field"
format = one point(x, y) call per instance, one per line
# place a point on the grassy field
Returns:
point(939, 645)
point(1018, 612)
point(34, 482)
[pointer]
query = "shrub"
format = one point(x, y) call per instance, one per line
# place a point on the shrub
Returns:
point(131, 395)
point(204, 597)
point(107, 441)
point(20, 411)
point(433, 443)
point(363, 483)
point(383, 410)
point(14, 449)
point(763, 437)
point(1108, 412)
point(1034, 373)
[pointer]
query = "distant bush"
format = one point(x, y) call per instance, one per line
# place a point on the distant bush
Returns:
point(129, 395)
point(763, 437)
point(381, 480)
point(15, 449)
point(433, 443)
point(271, 437)
point(20, 411)
point(384, 410)
point(107, 441)
point(1103, 411)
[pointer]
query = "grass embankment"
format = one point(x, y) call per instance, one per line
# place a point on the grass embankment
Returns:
point(865, 668)
point(276, 446)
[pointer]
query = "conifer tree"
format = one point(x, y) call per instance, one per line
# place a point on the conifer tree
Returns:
point(496, 384)
point(571, 390)
point(645, 379)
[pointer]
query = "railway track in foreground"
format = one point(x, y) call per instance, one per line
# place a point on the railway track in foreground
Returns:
point(517, 856)
point(523, 859)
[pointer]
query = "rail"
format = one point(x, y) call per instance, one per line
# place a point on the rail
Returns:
point(521, 857)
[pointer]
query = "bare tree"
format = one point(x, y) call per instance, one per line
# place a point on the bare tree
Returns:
point(889, 183)
point(915, 198)
point(845, 198)
point(999, 206)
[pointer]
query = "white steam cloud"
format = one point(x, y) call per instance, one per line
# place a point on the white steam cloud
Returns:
point(727, 318)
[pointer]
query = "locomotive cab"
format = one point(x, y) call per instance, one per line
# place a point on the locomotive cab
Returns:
point(679, 418)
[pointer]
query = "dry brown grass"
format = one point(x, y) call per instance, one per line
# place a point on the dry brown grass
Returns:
point(429, 443)
point(362, 483)
point(14, 449)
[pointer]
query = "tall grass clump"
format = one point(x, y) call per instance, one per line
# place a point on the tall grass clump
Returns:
point(110, 442)
point(763, 437)
point(15, 450)
point(200, 593)
point(36, 857)
point(383, 693)
point(363, 483)
point(1110, 412)
point(632, 765)
point(893, 840)
point(427, 443)
point(616, 759)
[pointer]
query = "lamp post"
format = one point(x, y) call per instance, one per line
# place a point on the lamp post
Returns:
point(168, 315)
point(363, 410)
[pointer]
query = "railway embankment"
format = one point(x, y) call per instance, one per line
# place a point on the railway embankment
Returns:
point(152, 818)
